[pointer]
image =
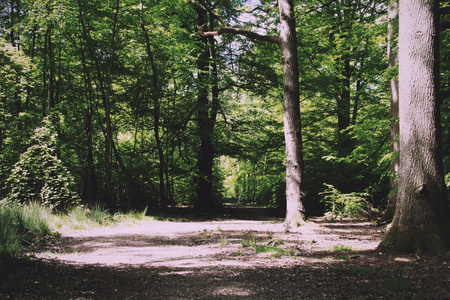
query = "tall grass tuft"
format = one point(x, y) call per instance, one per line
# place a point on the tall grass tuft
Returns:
point(19, 225)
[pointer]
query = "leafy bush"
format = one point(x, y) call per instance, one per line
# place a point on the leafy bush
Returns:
point(341, 205)
point(40, 176)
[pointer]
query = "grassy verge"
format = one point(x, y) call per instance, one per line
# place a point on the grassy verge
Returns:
point(20, 225)
point(85, 218)
point(25, 225)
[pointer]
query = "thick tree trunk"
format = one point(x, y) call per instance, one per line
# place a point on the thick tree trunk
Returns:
point(421, 219)
point(292, 122)
point(205, 201)
point(394, 127)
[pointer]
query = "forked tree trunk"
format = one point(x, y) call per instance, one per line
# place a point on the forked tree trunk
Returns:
point(292, 122)
point(421, 219)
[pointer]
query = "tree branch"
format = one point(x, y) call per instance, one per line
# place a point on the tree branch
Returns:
point(233, 30)
point(208, 9)
point(247, 33)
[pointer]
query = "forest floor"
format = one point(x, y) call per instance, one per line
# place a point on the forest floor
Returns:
point(244, 254)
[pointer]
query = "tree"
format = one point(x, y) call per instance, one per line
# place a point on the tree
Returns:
point(156, 109)
point(421, 220)
point(287, 41)
point(292, 121)
point(394, 127)
point(40, 175)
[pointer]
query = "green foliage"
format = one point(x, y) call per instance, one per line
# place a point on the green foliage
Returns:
point(343, 205)
point(340, 248)
point(80, 63)
point(19, 225)
point(251, 242)
point(40, 175)
point(265, 249)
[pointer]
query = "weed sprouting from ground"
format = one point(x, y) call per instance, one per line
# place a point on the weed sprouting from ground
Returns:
point(251, 242)
point(340, 248)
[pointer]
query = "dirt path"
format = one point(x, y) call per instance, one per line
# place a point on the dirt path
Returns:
point(227, 259)
point(204, 244)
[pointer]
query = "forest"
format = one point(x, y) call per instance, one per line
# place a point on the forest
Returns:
point(157, 104)
point(224, 149)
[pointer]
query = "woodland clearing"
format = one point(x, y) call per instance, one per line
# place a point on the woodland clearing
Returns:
point(243, 254)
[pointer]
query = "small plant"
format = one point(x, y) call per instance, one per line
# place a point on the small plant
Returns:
point(81, 217)
point(343, 205)
point(343, 257)
point(223, 240)
point(339, 248)
point(251, 242)
point(265, 249)
point(99, 215)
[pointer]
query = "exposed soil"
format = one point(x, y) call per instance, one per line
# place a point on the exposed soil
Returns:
point(245, 254)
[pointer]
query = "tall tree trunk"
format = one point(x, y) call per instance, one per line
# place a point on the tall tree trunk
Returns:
point(344, 143)
point(105, 93)
point(421, 221)
point(90, 188)
point(292, 121)
point(107, 104)
point(156, 111)
point(205, 201)
point(394, 127)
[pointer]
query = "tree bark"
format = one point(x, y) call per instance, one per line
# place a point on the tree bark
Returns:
point(205, 202)
point(421, 220)
point(292, 121)
point(394, 127)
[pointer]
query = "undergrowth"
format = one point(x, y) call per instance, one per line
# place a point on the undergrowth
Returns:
point(21, 225)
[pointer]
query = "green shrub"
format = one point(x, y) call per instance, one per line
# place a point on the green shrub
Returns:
point(40, 176)
point(341, 205)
